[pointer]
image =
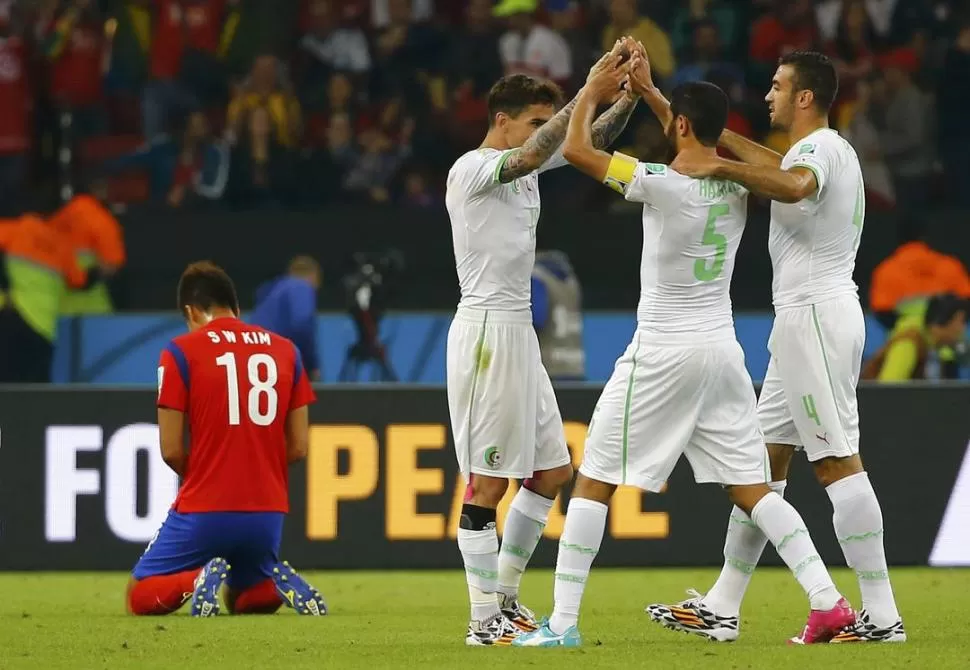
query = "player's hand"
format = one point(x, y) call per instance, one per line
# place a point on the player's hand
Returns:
point(641, 78)
point(698, 167)
point(620, 48)
point(605, 84)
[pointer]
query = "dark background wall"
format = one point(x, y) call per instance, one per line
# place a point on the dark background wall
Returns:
point(604, 248)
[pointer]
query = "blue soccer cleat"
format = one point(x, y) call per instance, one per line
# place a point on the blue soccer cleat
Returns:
point(297, 592)
point(544, 637)
point(205, 597)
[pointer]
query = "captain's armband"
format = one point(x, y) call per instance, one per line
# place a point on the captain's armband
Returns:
point(620, 173)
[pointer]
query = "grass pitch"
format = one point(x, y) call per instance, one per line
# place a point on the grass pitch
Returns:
point(417, 619)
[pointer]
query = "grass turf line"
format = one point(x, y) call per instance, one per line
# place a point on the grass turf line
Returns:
point(414, 619)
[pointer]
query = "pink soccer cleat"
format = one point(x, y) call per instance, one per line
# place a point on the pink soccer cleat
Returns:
point(823, 626)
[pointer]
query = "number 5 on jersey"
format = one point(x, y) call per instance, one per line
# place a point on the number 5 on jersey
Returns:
point(711, 237)
point(262, 373)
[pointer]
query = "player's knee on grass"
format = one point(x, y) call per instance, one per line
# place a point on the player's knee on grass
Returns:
point(160, 594)
point(747, 496)
point(591, 489)
point(832, 469)
point(486, 491)
point(261, 598)
point(779, 456)
point(548, 483)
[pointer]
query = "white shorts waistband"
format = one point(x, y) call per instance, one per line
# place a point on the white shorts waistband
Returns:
point(482, 316)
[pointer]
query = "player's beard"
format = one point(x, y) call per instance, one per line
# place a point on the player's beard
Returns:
point(783, 123)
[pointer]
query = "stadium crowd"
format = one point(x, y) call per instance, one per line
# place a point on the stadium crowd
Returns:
point(295, 102)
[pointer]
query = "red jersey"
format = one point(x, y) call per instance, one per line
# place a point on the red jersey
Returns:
point(15, 96)
point(236, 383)
point(76, 74)
point(180, 25)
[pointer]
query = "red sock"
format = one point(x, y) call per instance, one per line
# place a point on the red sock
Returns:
point(259, 599)
point(161, 594)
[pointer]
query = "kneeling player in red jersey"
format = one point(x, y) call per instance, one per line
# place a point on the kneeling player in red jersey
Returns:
point(242, 393)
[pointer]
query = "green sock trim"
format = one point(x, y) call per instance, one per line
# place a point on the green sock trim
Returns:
point(791, 536)
point(570, 578)
point(578, 548)
point(516, 551)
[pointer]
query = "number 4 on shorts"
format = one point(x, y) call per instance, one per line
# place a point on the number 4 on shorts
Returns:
point(808, 402)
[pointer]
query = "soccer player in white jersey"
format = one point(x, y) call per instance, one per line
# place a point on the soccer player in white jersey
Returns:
point(504, 415)
point(808, 400)
point(681, 387)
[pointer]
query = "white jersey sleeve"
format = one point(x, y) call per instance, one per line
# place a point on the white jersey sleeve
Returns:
point(477, 171)
point(819, 157)
point(656, 185)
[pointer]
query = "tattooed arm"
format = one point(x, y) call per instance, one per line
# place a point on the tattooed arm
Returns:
point(537, 149)
point(611, 123)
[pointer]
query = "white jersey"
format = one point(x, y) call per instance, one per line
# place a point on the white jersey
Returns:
point(813, 243)
point(691, 232)
point(493, 227)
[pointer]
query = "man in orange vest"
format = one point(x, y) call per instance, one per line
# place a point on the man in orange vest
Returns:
point(38, 266)
point(98, 242)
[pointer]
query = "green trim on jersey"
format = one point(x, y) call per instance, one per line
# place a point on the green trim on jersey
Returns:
point(626, 409)
point(818, 179)
point(828, 375)
point(479, 348)
point(500, 165)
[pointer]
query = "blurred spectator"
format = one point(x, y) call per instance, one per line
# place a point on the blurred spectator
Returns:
point(789, 27)
point(852, 47)
point(129, 34)
point(342, 99)
point(405, 52)
point(720, 12)
point(731, 81)
point(894, 23)
point(906, 134)
point(333, 46)
point(529, 47)
point(324, 166)
point(565, 17)
point(381, 12)
point(288, 306)
point(417, 191)
point(184, 64)
point(182, 167)
point(625, 19)
point(15, 109)
point(953, 101)
point(706, 55)
point(931, 336)
point(73, 41)
point(98, 242)
point(269, 88)
point(914, 272)
point(261, 168)
point(371, 174)
point(473, 66)
point(862, 134)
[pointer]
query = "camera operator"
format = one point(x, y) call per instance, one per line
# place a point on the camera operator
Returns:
point(368, 289)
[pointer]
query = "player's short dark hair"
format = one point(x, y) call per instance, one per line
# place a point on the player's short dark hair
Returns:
point(814, 72)
point(513, 93)
point(705, 106)
point(205, 285)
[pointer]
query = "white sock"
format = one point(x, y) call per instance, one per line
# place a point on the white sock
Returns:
point(580, 542)
point(743, 547)
point(523, 528)
point(858, 525)
point(479, 551)
point(786, 531)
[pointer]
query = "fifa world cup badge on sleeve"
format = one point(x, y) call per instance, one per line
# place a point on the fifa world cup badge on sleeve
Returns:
point(620, 173)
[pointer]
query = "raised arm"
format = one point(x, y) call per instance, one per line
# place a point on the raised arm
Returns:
point(579, 148)
point(538, 148)
point(611, 123)
point(748, 151)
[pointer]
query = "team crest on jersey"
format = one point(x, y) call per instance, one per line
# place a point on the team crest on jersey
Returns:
point(807, 148)
point(493, 458)
point(515, 186)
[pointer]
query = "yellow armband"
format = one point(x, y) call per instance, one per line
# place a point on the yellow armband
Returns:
point(620, 173)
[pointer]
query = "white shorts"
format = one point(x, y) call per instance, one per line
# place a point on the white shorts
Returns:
point(504, 415)
point(665, 399)
point(808, 399)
